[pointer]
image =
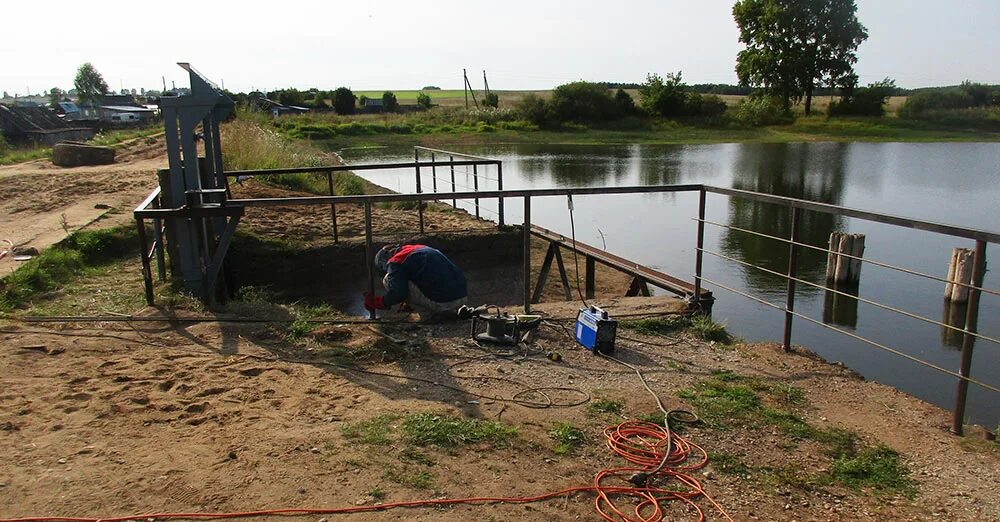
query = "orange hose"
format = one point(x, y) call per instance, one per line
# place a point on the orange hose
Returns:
point(639, 443)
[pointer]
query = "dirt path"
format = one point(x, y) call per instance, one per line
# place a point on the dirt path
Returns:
point(118, 419)
point(41, 203)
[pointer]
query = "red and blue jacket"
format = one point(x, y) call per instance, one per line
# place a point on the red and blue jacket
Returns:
point(433, 273)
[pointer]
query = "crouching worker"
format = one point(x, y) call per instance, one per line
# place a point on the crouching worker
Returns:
point(421, 277)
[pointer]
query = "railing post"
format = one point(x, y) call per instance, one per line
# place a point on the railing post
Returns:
point(968, 342)
point(590, 277)
point(527, 254)
point(333, 206)
point(454, 202)
point(699, 247)
point(420, 204)
point(161, 264)
point(147, 275)
point(475, 187)
point(793, 236)
point(369, 255)
point(500, 198)
point(434, 176)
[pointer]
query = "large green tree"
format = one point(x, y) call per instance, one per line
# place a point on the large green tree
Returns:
point(795, 46)
point(90, 85)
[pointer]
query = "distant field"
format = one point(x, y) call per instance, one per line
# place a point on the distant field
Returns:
point(452, 97)
point(510, 98)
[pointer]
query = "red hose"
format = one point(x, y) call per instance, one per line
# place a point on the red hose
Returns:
point(639, 443)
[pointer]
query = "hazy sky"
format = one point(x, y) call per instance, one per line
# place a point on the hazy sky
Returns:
point(379, 44)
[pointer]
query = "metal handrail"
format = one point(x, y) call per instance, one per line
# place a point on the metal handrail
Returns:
point(849, 256)
point(452, 153)
point(889, 219)
point(855, 297)
point(858, 337)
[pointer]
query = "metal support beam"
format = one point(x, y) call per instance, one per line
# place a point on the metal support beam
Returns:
point(333, 206)
point(221, 249)
point(369, 254)
point(792, 275)
point(590, 277)
point(543, 275)
point(526, 233)
point(500, 197)
point(475, 187)
point(638, 286)
point(451, 159)
point(699, 248)
point(420, 204)
point(147, 276)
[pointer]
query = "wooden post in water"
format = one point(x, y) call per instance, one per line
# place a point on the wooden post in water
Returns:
point(960, 272)
point(841, 269)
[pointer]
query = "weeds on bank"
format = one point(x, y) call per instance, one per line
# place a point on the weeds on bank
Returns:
point(430, 429)
point(602, 406)
point(567, 436)
point(79, 254)
point(701, 326)
point(730, 401)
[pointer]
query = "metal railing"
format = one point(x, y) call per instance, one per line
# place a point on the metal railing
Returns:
point(476, 177)
point(981, 237)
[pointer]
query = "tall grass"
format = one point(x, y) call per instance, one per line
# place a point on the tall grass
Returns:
point(248, 144)
point(63, 261)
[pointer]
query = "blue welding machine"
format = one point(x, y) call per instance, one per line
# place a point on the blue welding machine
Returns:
point(595, 330)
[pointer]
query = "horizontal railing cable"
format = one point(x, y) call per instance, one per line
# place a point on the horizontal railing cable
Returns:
point(858, 337)
point(858, 298)
point(849, 256)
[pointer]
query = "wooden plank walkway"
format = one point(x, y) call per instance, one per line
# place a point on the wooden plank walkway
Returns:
point(641, 275)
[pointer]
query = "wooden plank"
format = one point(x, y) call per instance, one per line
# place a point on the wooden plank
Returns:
point(562, 274)
point(543, 275)
point(594, 254)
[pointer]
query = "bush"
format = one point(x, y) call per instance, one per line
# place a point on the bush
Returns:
point(424, 100)
point(389, 103)
point(624, 102)
point(922, 102)
point(489, 115)
point(868, 101)
point(343, 100)
point(980, 93)
point(669, 97)
point(491, 100)
point(533, 108)
point(664, 97)
point(582, 102)
point(757, 110)
point(710, 105)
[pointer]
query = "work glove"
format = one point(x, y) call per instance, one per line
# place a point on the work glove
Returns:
point(374, 302)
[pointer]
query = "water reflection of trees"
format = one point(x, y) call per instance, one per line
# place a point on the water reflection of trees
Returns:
point(815, 172)
point(574, 165)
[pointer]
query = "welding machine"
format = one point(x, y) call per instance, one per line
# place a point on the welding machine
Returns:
point(595, 330)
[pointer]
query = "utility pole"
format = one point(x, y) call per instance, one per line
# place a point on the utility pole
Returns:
point(465, 88)
point(164, 78)
point(486, 83)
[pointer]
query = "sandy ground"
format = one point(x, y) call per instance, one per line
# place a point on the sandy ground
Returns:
point(40, 203)
point(122, 418)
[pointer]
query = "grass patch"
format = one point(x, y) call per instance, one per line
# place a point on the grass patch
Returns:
point(701, 326)
point(376, 431)
point(376, 493)
point(416, 479)
point(445, 431)
point(78, 255)
point(567, 436)
point(602, 406)
point(657, 326)
point(879, 468)
point(704, 327)
point(728, 464)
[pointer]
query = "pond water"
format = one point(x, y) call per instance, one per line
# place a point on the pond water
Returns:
point(955, 183)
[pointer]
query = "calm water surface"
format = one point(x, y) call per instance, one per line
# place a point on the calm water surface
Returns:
point(955, 183)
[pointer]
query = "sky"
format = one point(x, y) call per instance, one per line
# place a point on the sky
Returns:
point(407, 44)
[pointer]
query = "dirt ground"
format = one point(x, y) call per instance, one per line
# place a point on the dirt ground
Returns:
point(134, 417)
point(127, 417)
point(40, 203)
